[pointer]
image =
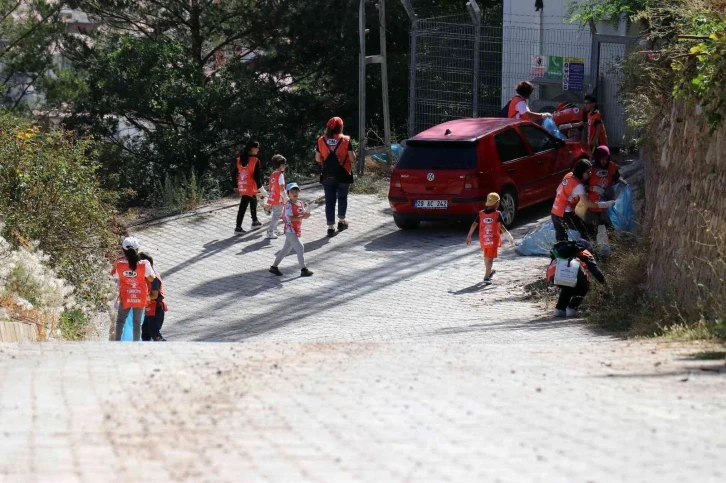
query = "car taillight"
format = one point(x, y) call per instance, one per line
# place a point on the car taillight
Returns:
point(471, 181)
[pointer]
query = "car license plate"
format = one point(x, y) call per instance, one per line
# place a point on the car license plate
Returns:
point(431, 204)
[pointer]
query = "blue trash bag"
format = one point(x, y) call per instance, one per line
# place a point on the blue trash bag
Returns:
point(539, 241)
point(396, 149)
point(622, 214)
point(550, 125)
point(128, 333)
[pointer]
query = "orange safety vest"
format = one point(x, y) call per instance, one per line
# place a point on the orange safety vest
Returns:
point(273, 184)
point(489, 232)
point(160, 302)
point(297, 209)
point(512, 114)
point(602, 178)
point(341, 149)
point(246, 185)
point(594, 118)
point(133, 291)
point(564, 192)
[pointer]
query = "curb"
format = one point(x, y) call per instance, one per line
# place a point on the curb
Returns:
point(200, 211)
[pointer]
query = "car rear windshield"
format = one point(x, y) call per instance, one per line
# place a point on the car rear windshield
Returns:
point(438, 155)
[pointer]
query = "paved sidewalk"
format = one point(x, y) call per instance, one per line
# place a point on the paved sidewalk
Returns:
point(392, 363)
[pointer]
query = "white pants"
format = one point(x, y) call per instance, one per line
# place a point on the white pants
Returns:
point(292, 242)
point(276, 214)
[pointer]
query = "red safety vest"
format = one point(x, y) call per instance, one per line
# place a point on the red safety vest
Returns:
point(603, 178)
point(512, 114)
point(341, 149)
point(489, 232)
point(157, 304)
point(246, 185)
point(564, 192)
point(297, 209)
point(133, 290)
point(273, 184)
point(594, 118)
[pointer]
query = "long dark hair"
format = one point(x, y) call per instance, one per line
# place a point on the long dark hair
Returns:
point(581, 167)
point(251, 144)
point(147, 257)
point(132, 256)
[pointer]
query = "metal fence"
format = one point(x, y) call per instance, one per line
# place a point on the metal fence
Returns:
point(443, 71)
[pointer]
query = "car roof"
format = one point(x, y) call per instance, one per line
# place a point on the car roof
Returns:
point(468, 129)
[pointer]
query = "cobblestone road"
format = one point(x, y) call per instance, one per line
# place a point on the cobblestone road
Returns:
point(391, 364)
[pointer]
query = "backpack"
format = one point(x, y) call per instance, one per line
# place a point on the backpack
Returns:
point(333, 170)
point(504, 113)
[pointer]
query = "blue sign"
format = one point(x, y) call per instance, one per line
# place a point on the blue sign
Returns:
point(573, 75)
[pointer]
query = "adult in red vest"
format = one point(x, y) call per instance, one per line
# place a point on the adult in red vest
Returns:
point(335, 155)
point(518, 107)
point(569, 193)
point(605, 175)
point(133, 275)
point(249, 181)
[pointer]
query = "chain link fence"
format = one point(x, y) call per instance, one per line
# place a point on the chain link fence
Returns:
point(443, 72)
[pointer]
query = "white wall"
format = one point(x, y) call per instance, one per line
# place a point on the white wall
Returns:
point(527, 33)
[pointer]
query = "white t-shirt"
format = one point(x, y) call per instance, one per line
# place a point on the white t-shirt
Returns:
point(522, 109)
point(579, 191)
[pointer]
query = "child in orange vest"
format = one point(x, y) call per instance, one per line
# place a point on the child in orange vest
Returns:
point(276, 199)
point(133, 275)
point(154, 316)
point(293, 215)
point(491, 226)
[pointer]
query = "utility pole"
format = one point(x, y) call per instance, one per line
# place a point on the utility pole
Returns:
point(363, 61)
point(475, 13)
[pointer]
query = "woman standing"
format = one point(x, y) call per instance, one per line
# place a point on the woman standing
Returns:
point(133, 275)
point(336, 157)
point(249, 181)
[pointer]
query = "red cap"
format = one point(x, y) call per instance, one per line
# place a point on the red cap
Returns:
point(601, 152)
point(334, 122)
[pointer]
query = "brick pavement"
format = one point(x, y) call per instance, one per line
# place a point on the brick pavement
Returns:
point(390, 364)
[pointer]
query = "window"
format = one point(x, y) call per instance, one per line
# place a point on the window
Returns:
point(538, 139)
point(438, 155)
point(510, 146)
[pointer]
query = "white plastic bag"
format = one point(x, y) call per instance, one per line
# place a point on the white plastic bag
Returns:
point(566, 272)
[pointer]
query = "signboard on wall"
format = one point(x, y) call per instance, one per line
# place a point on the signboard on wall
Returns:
point(573, 74)
point(554, 67)
point(539, 65)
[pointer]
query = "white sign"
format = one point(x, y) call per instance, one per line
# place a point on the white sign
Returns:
point(539, 65)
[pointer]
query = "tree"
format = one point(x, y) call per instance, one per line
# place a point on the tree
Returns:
point(31, 33)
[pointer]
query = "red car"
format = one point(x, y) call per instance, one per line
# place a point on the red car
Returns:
point(447, 171)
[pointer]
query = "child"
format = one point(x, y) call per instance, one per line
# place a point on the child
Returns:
point(277, 197)
point(133, 275)
point(154, 316)
point(490, 219)
point(293, 215)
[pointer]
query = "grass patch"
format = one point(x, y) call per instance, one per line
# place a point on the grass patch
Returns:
point(370, 185)
point(631, 310)
point(74, 325)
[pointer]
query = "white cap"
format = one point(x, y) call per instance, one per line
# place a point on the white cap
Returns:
point(291, 186)
point(130, 242)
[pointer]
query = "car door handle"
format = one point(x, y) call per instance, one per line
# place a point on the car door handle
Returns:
point(512, 170)
point(540, 163)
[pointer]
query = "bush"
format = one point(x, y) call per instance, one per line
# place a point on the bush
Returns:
point(49, 192)
point(73, 325)
point(176, 194)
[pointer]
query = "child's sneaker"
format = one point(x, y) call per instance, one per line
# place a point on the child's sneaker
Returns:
point(272, 236)
point(256, 223)
point(331, 232)
point(239, 230)
point(572, 312)
point(275, 271)
point(342, 226)
point(560, 313)
point(306, 273)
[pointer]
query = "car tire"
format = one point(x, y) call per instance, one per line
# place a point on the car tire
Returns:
point(508, 205)
point(406, 223)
